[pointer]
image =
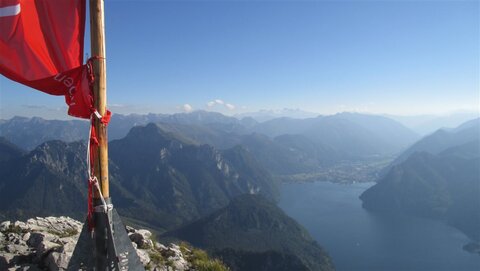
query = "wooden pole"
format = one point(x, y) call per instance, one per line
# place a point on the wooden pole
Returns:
point(97, 41)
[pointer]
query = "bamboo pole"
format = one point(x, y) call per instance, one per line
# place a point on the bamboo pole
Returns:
point(97, 41)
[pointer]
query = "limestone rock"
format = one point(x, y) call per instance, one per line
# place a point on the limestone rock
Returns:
point(38, 244)
point(141, 238)
point(57, 261)
point(4, 226)
point(143, 255)
point(160, 246)
point(47, 243)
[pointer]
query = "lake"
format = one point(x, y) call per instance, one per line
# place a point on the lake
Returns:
point(360, 240)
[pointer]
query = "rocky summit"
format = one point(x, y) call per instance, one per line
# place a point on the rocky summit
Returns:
point(48, 244)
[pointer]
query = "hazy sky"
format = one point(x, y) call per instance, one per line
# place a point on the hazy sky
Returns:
point(407, 57)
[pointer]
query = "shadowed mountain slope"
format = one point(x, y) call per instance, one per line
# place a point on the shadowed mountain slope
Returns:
point(251, 226)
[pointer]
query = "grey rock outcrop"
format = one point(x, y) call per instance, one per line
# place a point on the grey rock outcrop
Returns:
point(48, 244)
point(38, 244)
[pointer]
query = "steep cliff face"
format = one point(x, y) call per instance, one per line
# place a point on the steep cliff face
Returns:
point(186, 180)
point(157, 178)
point(48, 180)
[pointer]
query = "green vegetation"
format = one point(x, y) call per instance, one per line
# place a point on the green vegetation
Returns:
point(202, 262)
point(65, 233)
point(199, 259)
point(156, 258)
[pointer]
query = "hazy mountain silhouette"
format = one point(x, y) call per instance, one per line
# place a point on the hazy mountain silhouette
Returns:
point(265, 115)
point(443, 139)
point(444, 185)
point(28, 133)
point(427, 124)
point(222, 131)
point(351, 134)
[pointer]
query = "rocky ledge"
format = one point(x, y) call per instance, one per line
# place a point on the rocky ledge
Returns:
point(48, 244)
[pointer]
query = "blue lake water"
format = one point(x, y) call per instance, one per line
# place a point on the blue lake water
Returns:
point(360, 240)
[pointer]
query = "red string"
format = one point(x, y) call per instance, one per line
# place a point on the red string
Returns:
point(104, 120)
point(91, 225)
point(93, 152)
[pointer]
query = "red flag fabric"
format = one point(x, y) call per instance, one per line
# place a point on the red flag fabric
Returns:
point(41, 46)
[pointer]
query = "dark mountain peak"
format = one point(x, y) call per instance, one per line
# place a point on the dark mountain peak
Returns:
point(253, 211)
point(19, 119)
point(59, 147)
point(442, 185)
point(38, 120)
point(254, 224)
point(186, 179)
point(59, 155)
point(154, 134)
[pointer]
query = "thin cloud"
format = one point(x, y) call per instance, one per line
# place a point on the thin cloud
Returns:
point(187, 108)
point(222, 103)
point(230, 106)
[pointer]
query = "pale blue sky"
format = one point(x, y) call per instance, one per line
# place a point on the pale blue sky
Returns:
point(408, 57)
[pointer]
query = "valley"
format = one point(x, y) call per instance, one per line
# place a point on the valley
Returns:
point(217, 182)
point(343, 172)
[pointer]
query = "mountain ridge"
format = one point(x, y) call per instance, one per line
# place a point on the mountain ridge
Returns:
point(252, 224)
point(441, 186)
point(143, 167)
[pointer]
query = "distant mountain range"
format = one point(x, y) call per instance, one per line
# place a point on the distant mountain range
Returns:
point(426, 124)
point(264, 115)
point(192, 174)
point(437, 177)
point(299, 145)
point(163, 180)
point(28, 133)
point(443, 139)
point(252, 233)
point(156, 178)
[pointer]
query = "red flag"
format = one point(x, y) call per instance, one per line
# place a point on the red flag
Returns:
point(41, 46)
